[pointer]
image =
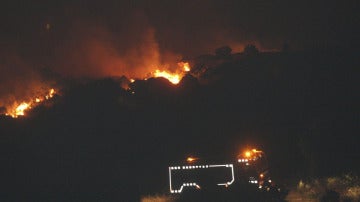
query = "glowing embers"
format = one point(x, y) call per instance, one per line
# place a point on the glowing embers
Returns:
point(17, 110)
point(184, 176)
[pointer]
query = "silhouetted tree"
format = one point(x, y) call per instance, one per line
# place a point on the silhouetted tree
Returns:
point(250, 50)
point(224, 51)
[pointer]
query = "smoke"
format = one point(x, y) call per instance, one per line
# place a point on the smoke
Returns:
point(94, 50)
point(18, 81)
point(115, 38)
point(119, 39)
point(126, 38)
point(80, 48)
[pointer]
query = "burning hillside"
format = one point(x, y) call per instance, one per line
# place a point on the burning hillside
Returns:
point(87, 52)
point(104, 143)
point(17, 109)
point(23, 87)
point(173, 77)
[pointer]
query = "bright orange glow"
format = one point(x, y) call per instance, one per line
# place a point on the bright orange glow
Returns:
point(185, 66)
point(191, 159)
point(252, 154)
point(172, 74)
point(173, 78)
point(261, 175)
point(51, 93)
point(19, 109)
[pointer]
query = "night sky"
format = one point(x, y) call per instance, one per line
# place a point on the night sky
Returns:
point(190, 27)
point(107, 38)
point(95, 141)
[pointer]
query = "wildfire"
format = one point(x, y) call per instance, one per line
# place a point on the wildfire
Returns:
point(19, 109)
point(176, 77)
point(173, 78)
point(185, 66)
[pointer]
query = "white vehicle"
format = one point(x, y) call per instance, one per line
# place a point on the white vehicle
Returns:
point(250, 167)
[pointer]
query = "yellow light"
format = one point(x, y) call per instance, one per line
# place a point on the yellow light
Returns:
point(185, 66)
point(20, 109)
point(191, 159)
point(261, 175)
point(247, 153)
point(173, 78)
point(51, 92)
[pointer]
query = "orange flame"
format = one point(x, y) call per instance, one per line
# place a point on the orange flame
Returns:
point(248, 154)
point(185, 66)
point(173, 78)
point(176, 77)
point(191, 159)
point(19, 110)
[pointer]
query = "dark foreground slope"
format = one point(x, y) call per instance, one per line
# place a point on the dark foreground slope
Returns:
point(98, 142)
